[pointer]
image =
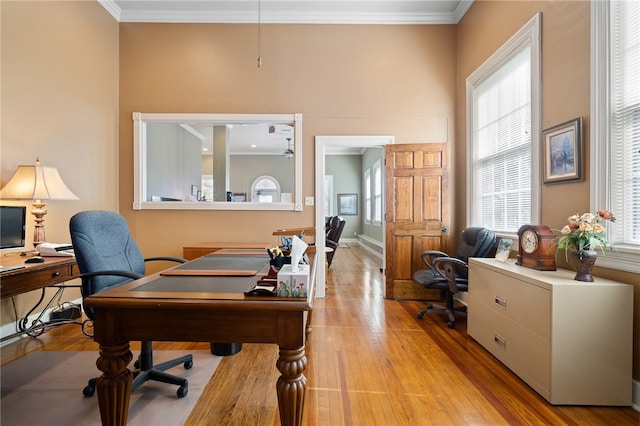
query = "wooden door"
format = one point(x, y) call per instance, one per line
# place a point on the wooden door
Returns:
point(417, 215)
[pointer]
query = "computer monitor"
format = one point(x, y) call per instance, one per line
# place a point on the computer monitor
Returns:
point(12, 226)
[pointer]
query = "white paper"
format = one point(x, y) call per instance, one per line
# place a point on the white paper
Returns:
point(298, 248)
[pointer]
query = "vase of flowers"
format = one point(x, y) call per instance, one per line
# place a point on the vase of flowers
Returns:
point(582, 237)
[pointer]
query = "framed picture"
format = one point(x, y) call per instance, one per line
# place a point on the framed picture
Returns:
point(238, 197)
point(563, 152)
point(348, 204)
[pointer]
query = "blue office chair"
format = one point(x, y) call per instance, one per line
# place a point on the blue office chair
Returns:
point(107, 256)
point(450, 274)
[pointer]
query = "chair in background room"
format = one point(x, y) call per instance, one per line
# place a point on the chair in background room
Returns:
point(449, 274)
point(333, 230)
point(107, 257)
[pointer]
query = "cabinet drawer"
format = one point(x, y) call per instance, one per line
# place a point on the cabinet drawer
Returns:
point(524, 303)
point(38, 278)
point(524, 352)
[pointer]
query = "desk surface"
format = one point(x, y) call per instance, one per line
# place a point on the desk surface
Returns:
point(131, 312)
point(35, 276)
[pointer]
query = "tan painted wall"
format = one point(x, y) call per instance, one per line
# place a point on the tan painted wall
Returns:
point(345, 80)
point(59, 98)
point(565, 95)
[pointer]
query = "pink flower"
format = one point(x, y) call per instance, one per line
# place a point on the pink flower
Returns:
point(606, 214)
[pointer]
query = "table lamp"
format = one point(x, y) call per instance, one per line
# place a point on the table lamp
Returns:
point(38, 183)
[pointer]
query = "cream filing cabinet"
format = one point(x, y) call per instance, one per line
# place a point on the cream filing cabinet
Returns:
point(571, 341)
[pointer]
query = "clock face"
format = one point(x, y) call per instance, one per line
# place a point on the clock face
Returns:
point(529, 241)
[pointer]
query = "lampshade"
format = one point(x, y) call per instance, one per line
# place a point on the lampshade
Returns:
point(36, 182)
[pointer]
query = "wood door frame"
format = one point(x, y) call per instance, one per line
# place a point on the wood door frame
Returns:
point(322, 142)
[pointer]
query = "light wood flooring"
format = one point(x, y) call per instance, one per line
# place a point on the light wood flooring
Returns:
point(370, 362)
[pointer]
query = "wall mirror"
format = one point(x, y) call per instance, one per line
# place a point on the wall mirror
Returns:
point(217, 161)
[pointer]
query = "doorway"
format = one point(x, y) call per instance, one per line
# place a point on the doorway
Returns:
point(323, 145)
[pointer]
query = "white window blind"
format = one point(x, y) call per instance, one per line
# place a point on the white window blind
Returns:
point(501, 161)
point(377, 192)
point(367, 195)
point(624, 149)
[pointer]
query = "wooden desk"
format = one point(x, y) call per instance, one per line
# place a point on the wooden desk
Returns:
point(200, 249)
point(34, 276)
point(129, 312)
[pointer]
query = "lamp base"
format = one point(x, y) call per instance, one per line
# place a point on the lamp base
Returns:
point(39, 210)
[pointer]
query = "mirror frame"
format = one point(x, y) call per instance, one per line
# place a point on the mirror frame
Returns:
point(140, 121)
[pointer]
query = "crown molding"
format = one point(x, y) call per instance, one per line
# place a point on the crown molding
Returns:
point(245, 15)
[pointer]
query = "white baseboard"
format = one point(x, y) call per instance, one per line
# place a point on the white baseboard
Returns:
point(369, 244)
point(635, 395)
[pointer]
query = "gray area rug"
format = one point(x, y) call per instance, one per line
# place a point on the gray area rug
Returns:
point(45, 388)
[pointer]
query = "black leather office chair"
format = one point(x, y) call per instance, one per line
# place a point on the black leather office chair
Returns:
point(333, 230)
point(107, 256)
point(449, 274)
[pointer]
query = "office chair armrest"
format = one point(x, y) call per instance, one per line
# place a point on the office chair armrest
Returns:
point(120, 273)
point(449, 268)
point(330, 243)
point(167, 258)
point(429, 256)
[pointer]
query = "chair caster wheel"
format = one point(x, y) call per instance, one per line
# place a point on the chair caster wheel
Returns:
point(420, 315)
point(188, 364)
point(89, 390)
point(451, 324)
point(182, 391)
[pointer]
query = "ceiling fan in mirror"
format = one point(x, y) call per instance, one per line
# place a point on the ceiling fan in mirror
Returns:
point(288, 152)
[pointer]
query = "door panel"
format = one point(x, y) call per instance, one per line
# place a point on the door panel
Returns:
point(417, 211)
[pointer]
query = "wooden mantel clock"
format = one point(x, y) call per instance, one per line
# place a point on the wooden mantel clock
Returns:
point(536, 247)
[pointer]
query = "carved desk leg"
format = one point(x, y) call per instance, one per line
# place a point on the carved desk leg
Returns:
point(291, 385)
point(114, 386)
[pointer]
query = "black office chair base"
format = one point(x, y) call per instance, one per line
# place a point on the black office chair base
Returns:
point(432, 308)
point(145, 371)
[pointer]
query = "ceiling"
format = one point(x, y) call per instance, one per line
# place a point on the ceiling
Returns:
point(290, 11)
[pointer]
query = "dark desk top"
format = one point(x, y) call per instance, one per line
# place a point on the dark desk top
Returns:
point(199, 292)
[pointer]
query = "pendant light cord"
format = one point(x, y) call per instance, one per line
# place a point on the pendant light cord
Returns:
point(259, 34)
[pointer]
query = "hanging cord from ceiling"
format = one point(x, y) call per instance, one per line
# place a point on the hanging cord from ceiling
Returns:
point(259, 34)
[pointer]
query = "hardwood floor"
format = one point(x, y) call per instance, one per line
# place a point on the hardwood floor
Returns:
point(370, 362)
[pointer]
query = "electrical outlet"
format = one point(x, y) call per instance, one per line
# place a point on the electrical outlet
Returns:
point(308, 201)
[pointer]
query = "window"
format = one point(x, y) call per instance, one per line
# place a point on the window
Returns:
point(377, 193)
point(265, 189)
point(503, 116)
point(615, 127)
point(367, 196)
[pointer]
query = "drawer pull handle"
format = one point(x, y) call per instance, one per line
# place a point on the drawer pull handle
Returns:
point(500, 301)
point(55, 274)
point(500, 341)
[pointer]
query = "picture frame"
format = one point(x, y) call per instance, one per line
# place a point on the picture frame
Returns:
point(562, 152)
point(238, 197)
point(504, 249)
point(348, 204)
